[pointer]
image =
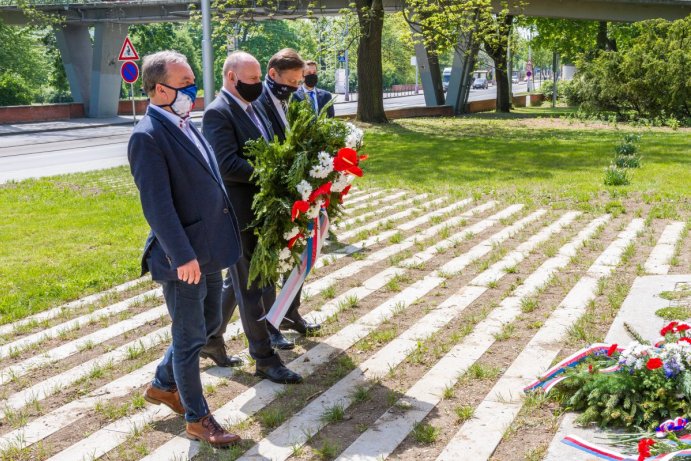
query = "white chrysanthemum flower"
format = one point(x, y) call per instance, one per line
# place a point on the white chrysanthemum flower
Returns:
point(304, 189)
point(354, 136)
point(313, 211)
point(341, 182)
point(325, 158)
point(284, 255)
point(292, 233)
point(285, 266)
point(318, 171)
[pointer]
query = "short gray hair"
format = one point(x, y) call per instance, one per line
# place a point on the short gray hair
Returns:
point(234, 59)
point(155, 68)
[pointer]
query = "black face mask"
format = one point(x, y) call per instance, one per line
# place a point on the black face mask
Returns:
point(249, 91)
point(311, 80)
point(281, 91)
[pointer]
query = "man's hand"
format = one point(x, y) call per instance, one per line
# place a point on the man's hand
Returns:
point(190, 272)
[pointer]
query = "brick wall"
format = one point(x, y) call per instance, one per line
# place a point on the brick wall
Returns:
point(41, 113)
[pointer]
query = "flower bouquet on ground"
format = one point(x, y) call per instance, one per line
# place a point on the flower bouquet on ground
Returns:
point(633, 387)
point(302, 182)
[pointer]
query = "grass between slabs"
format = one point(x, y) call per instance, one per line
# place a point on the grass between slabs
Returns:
point(67, 236)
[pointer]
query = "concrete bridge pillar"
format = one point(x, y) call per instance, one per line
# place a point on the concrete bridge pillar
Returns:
point(105, 72)
point(461, 72)
point(430, 74)
point(74, 43)
point(93, 70)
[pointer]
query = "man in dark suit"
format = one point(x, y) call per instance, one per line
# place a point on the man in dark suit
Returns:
point(283, 76)
point(317, 97)
point(194, 235)
point(229, 122)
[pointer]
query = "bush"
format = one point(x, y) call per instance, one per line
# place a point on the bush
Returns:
point(648, 78)
point(626, 148)
point(565, 91)
point(615, 176)
point(627, 161)
point(14, 90)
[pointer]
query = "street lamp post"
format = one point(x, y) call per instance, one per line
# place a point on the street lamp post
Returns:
point(207, 54)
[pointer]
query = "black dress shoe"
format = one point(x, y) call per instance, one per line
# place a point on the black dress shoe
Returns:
point(218, 355)
point(278, 341)
point(278, 373)
point(301, 326)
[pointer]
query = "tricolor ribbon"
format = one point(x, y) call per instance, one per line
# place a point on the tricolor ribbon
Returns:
point(611, 455)
point(554, 375)
point(318, 231)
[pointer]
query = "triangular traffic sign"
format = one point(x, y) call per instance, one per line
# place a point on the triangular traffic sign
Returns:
point(127, 52)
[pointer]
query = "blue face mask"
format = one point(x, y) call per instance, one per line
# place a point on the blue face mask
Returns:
point(184, 99)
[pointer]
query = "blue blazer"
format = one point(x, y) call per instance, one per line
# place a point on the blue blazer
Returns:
point(183, 200)
point(323, 98)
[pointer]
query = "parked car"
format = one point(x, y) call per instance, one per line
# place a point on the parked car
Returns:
point(480, 83)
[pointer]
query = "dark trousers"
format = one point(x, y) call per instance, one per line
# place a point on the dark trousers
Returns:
point(254, 303)
point(196, 313)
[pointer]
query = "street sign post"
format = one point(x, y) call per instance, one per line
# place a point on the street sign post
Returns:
point(129, 70)
point(413, 62)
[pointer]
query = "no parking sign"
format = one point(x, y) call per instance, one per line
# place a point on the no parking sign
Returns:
point(129, 71)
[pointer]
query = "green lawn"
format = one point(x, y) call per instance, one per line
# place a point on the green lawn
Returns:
point(67, 236)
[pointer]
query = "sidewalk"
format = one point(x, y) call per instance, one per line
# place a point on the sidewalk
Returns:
point(79, 123)
point(73, 124)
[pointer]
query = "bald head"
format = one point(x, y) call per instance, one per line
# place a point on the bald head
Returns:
point(240, 66)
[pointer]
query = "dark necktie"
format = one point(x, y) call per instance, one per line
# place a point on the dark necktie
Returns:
point(255, 119)
point(284, 105)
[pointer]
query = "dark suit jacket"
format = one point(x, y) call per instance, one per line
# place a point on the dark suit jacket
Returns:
point(269, 108)
point(227, 127)
point(323, 98)
point(183, 200)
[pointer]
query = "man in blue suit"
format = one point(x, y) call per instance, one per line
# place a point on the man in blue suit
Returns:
point(317, 97)
point(194, 235)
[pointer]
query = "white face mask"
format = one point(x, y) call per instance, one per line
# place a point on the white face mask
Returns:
point(183, 105)
point(184, 100)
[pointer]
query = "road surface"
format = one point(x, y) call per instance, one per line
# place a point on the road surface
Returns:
point(36, 155)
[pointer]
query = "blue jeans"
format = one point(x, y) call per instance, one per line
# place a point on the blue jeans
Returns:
point(196, 314)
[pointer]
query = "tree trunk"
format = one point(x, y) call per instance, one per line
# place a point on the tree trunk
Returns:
point(604, 43)
point(435, 70)
point(497, 50)
point(370, 107)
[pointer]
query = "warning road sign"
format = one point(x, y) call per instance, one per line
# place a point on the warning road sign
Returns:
point(127, 52)
point(129, 71)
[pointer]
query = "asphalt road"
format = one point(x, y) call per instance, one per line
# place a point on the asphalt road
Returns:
point(36, 155)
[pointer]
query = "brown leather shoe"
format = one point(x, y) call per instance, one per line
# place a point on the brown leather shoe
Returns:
point(208, 430)
point(171, 399)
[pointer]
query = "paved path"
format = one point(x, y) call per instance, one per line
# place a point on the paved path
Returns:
point(416, 249)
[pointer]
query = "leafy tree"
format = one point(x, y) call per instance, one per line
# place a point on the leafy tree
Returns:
point(14, 90)
point(22, 54)
point(647, 76)
point(233, 14)
point(443, 22)
point(183, 37)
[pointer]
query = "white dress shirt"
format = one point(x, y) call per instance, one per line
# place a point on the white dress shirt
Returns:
point(314, 102)
point(184, 125)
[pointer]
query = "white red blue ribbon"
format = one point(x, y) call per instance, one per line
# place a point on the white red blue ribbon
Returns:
point(611, 455)
point(554, 375)
point(318, 232)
